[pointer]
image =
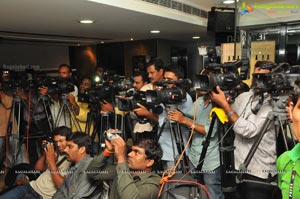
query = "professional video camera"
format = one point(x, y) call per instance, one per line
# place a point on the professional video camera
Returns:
point(115, 85)
point(56, 85)
point(96, 94)
point(224, 75)
point(279, 82)
point(174, 95)
point(17, 79)
point(128, 102)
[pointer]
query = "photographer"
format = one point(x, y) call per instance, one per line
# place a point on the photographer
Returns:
point(52, 165)
point(83, 107)
point(8, 132)
point(134, 175)
point(35, 118)
point(211, 169)
point(64, 71)
point(248, 114)
point(172, 73)
point(155, 70)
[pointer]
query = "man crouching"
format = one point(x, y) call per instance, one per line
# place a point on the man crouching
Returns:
point(134, 175)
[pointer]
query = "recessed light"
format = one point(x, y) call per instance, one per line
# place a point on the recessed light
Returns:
point(154, 31)
point(196, 37)
point(131, 39)
point(86, 21)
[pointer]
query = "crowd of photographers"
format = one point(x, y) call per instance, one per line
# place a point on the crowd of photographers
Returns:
point(154, 114)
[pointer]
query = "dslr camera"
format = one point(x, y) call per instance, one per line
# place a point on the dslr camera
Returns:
point(48, 141)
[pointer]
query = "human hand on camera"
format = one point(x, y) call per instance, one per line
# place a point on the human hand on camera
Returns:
point(141, 111)
point(176, 116)
point(21, 93)
point(50, 153)
point(106, 106)
point(120, 149)
point(219, 97)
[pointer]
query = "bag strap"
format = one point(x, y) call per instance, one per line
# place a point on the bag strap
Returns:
point(61, 161)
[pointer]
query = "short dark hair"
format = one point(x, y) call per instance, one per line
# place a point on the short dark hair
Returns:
point(63, 131)
point(85, 77)
point(176, 70)
point(143, 74)
point(152, 149)
point(157, 62)
point(265, 65)
point(65, 65)
point(82, 140)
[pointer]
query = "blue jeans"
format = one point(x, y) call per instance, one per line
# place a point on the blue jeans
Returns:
point(23, 191)
point(212, 181)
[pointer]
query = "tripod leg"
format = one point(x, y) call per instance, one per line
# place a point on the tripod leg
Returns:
point(243, 167)
point(59, 115)
point(73, 119)
point(48, 115)
point(176, 131)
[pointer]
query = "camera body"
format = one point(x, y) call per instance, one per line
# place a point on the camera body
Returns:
point(58, 85)
point(105, 90)
point(128, 102)
point(48, 141)
point(112, 134)
point(280, 82)
point(173, 95)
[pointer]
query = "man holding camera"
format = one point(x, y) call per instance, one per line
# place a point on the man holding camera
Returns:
point(169, 139)
point(64, 71)
point(53, 166)
point(6, 105)
point(134, 175)
point(77, 184)
point(248, 115)
point(210, 173)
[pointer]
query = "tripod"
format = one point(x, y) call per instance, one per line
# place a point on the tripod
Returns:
point(177, 140)
point(264, 187)
point(14, 126)
point(97, 123)
point(44, 100)
point(278, 116)
point(66, 113)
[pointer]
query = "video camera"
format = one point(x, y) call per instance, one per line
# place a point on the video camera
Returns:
point(174, 95)
point(279, 82)
point(17, 79)
point(56, 85)
point(115, 85)
point(224, 75)
point(128, 102)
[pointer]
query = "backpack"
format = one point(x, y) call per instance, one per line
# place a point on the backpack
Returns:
point(182, 186)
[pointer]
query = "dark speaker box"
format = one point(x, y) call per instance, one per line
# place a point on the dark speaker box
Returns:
point(220, 21)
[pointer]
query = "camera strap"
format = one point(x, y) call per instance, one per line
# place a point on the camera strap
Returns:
point(61, 161)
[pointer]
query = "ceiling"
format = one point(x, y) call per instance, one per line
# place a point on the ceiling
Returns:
point(116, 20)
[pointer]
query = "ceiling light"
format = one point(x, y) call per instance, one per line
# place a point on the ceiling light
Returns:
point(154, 31)
point(86, 21)
point(228, 1)
point(196, 37)
point(131, 39)
point(102, 42)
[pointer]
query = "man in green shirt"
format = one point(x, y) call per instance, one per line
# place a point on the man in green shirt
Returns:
point(288, 164)
point(134, 175)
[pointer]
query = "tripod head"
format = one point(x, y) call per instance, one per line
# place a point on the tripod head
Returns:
point(279, 104)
